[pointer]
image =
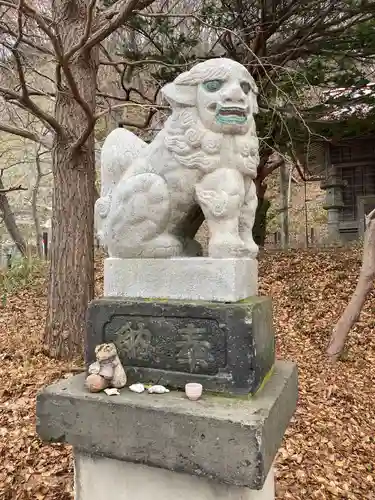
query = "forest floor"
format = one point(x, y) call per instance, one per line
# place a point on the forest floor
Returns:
point(329, 449)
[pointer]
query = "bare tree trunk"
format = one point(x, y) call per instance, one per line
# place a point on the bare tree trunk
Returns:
point(10, 222)
point(34, 206)
point(72, 245)
point(363, 288)
point(260, 223)
point(265, 168)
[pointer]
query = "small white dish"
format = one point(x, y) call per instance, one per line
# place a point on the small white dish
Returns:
point(193, 391)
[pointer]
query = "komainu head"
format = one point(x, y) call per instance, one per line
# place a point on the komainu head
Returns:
point(223, 92)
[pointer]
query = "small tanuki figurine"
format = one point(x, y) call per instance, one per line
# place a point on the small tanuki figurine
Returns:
point(107, 370)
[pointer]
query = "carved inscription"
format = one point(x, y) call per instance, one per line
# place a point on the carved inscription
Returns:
point(134, 342)
point(194, 350)
point(191, 345)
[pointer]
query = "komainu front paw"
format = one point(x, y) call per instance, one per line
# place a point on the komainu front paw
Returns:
point(227, 248)
point(252, 247)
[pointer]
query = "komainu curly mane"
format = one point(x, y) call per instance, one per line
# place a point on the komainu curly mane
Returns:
point(195, 146)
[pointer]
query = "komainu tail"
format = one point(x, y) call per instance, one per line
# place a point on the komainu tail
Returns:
point(120, 149)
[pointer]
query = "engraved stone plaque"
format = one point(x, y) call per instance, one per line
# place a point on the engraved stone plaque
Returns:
point(225, 347)
point(191, 345)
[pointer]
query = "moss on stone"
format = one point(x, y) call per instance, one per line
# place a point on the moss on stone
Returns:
point(249, 301)
point(241, 397)
point(265, 380)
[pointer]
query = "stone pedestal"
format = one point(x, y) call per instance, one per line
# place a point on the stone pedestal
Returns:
point(139, 482)
point(177, 321)
point(193, 278)
point(167, 447)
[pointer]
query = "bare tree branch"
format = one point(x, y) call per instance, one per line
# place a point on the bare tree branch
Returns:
point(24, 97)
point(27, 134)
point(45, 25)
point(75, 92)
point(124, 9)
point(115, 9)
point(86, 33)
point(12, 188)
point(154, 107)
point(142, 62)
point(38, 46)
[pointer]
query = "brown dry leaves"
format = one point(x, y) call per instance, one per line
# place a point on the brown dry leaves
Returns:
point(329, 448)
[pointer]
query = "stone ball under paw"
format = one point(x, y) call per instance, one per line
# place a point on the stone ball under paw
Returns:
point(95, 383)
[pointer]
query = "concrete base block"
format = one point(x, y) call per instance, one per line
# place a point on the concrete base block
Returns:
point(228, 440)
point(97, 478)
point(193, 278)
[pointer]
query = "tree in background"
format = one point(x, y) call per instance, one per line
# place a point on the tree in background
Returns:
point(18, 156)
point(293, 48)
point(66, 33)
point(7, 215)
point(13, 156)
point(364, 286)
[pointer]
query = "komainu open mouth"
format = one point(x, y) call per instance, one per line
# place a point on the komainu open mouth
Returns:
point(231, 114)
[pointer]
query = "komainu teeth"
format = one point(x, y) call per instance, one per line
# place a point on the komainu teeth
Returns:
point(232, 111)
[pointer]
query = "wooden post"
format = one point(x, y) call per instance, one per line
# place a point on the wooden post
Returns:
point(284, 212)
point(45, 244)
point(312, 236)
point(275, 238)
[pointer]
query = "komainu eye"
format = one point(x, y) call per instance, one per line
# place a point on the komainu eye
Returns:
point(213, 85)
point(245, 86)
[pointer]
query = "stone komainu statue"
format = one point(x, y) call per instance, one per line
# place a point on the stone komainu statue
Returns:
point(207, 154)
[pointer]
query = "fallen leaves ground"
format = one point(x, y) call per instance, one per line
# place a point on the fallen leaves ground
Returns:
point(329, 448)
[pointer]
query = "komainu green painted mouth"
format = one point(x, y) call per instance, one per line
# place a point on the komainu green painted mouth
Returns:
point(231, 115)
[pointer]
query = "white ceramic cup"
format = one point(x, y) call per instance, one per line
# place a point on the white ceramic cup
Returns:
point(193, 391)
